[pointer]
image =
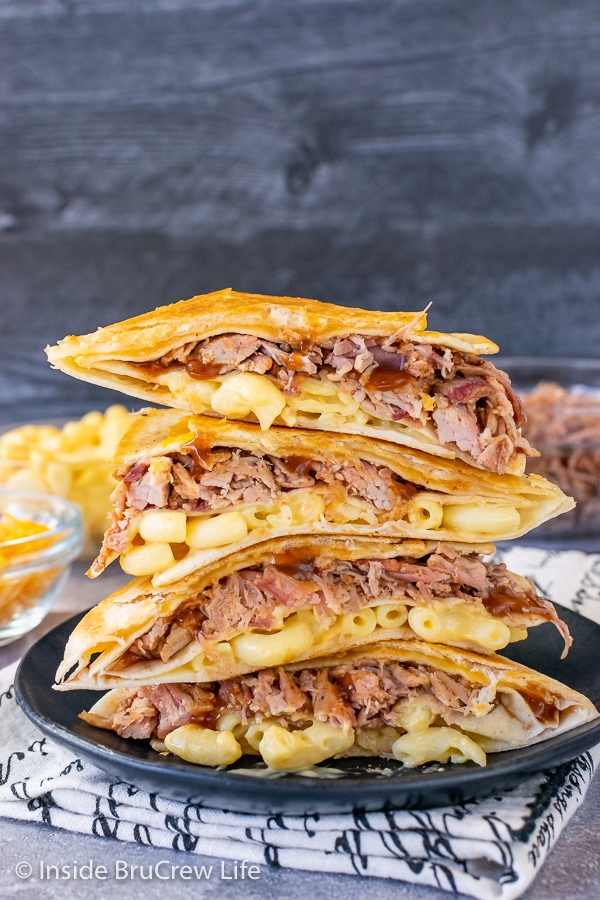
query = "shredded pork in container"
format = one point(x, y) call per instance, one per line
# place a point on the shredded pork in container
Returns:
point(564, 425)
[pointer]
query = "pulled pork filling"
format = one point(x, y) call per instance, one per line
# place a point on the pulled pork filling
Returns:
point(360, 695)
point(198, 481)
point(475, 409)
point(250, 598)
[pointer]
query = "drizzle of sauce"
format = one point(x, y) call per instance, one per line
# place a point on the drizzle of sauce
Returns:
point(347, 688)
point(543, 711)
point(210, 718)
point(191, 619)
point(202, 371)
point(201, 452)
point(151, 369)
point(297, 465)
point(502, 603)
point(294, 361)
point(404, 490)
point(194, 367)
point(297, 562)
point(307, 345)
point(384, 378)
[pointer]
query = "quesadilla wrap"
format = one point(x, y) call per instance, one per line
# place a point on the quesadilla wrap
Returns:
point(302, 363)
point(406, 700)
point(192, 489)
point(296, 598)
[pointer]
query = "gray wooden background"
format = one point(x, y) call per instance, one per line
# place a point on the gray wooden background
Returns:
point(373, 153)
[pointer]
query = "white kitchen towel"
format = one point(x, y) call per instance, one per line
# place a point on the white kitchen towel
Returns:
point(487, 848)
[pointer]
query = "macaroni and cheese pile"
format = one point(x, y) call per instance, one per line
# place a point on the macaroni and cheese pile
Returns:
point(72, 461)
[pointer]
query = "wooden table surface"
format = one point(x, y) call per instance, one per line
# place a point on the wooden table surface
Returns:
point(383, 154)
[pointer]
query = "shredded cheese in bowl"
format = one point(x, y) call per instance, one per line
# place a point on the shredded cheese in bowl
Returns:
point(40, 535)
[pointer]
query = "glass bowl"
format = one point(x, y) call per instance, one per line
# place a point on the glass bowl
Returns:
point(34, 567)
point(562, 401)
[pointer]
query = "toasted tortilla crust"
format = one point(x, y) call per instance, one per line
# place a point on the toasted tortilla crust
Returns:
point(106, 356)
point(111, 356)
point(280, 319)
point(98, 642)
point(156, 432)
point(505, 728)
point(111, 626)
point(159, 432)
point(509, 677)
point(477, 667)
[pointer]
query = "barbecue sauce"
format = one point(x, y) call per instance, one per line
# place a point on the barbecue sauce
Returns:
point(544, 712)
point(297, 465)
point(203, 371)
point(297, 562)
point(384, 378)
point(191, 619)
point(151, 369)
point(501, 603)
point(194, 367)
point(404, 490)
point(294, 361)
point(202, 454)
point(347, 688)
point(210, 718)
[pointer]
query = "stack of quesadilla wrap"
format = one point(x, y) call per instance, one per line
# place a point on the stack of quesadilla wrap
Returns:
point(308, 525)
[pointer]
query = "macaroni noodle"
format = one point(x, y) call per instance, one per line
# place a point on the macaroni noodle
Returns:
point(203, 746)
point(73, 461)
point(256, 731)
point(359, 623)
point(294, 750)
point(355, 510)
point(163, 525)
point(437, 745)
point(481, 520)
point(197, 393)
point(292, 637)
point(306, 506)
point(319, 398)
point(280, 520)
point(217, 653)
point(413, 714)
point(425, 512)
point(390, 615)
point(246, 392)
point(458, 623)
point(238, 394)
point(276, 648)
point(231, 721)
point(425, 622)
point(216, 531)
point(147, 559)
point(288, 750)
point(378, 741)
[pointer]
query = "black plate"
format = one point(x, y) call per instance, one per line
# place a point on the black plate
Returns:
point(364, 784)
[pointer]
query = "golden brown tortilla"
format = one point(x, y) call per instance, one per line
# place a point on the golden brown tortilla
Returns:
point(452, 484)
point(500, 705)
point(98, 652)
point(123, 356)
